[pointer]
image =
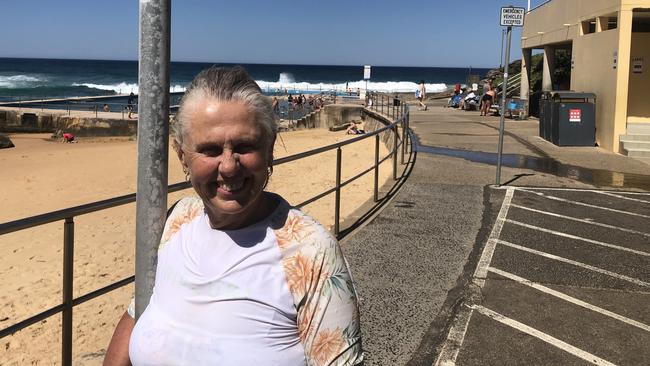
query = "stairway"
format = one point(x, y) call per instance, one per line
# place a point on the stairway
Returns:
point(636, 142)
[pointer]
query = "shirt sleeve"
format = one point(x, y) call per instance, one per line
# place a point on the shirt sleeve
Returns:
point(326, 300)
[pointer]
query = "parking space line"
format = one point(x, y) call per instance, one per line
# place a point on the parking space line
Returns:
point(542, 336)
point(583, 204)
point(579, 220)
point(569, 236)
point(623, 197)
point(456, 336)
point(488, 251)
point(570, 299)
point(577, 190)
point(575, 263)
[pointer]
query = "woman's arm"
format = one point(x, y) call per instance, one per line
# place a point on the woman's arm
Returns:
point(118, 350)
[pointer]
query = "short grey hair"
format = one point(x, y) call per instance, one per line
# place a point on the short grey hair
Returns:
point(227, 84)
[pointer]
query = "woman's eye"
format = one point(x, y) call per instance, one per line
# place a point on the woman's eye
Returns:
point(242, 149)
point(212, 152)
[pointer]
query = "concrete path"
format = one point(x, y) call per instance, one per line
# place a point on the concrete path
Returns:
point(415, 263)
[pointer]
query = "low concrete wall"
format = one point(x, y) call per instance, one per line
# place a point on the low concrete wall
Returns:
point(14, 120)
point(331, 115)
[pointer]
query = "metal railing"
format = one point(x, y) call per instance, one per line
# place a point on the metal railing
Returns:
point(401, 145)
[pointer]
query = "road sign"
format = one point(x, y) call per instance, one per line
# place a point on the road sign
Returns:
point(366, 72)
point(512, 17)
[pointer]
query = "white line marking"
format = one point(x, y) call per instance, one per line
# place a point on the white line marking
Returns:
point(558, 233)
point(569, 261)
point(580, 220)
point(542, 336)
point(577, 190)
point(454, 342)
point(456, 336)
point(623, 197)
point(570, 299)
point(584, 204)
point(488, 251)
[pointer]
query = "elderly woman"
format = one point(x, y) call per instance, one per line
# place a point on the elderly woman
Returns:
point(242, 278)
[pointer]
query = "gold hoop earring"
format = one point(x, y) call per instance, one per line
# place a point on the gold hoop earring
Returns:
point(187, 174)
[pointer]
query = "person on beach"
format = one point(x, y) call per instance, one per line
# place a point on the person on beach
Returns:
point(487, 99)
point(420, 95)
point(242, 277)
point(130, 104)
point(106, 108)
point(275, 105)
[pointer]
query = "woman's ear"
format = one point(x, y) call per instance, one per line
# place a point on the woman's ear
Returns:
point(180, 153)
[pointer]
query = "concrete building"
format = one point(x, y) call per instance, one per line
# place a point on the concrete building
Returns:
point(609, 44)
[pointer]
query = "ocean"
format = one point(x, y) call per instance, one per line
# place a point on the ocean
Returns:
point(25, 79)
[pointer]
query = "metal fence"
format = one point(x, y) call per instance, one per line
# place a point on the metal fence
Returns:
point(384, 107)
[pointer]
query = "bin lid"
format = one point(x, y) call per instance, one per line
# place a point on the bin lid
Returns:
point(567, 94)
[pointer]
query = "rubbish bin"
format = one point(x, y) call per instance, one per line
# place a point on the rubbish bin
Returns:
point(569, 118)
point(545, 116)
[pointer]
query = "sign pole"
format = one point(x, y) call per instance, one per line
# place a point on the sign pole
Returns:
point(504, 92)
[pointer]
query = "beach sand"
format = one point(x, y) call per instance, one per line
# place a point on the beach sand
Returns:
point(40, 176)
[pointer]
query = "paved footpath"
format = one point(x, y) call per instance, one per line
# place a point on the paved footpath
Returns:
point(552, 268)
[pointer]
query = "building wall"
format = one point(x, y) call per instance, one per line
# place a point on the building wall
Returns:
point(594, 72)
point(639, 89)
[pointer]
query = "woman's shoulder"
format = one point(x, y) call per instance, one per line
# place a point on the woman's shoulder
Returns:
point(296, 230)
point(182, 212)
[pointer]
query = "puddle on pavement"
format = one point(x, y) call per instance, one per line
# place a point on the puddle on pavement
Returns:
point(596, 177)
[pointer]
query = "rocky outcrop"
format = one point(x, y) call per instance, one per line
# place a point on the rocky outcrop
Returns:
point(5, 142)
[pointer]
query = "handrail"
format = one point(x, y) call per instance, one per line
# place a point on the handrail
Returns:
point(399, 114)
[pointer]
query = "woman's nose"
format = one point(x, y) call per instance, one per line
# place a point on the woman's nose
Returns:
point(229, 164)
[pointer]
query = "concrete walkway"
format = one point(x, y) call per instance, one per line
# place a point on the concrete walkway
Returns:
point(413, 264)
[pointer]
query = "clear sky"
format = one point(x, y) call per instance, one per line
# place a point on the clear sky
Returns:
point(337, 32)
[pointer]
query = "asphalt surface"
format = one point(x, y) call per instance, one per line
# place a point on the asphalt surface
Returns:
point(568, 283)
point(414, 264)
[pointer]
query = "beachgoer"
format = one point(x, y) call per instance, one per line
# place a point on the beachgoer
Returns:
point(468, 99)
point(275, 106)
point(487, 100)
point(242, 278)
point(106, 108)
point(420, 95)
point(130, 104)
point(353, 129)
point(68, 137)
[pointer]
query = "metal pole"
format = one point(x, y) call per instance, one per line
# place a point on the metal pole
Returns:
point(376, 168)
point(337, 203)
point(153, 141)
point(504, 89)
point(382, 104)
point(403, 122)
point(68, 275)
point(503, 33)
point(395, 151)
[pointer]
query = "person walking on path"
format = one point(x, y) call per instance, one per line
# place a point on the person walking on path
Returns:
point(421, 94)
point(130, 104)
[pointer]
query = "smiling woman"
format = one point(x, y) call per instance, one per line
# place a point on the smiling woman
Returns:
point(242, 277)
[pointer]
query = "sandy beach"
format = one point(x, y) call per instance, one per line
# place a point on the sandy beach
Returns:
point(40, 176)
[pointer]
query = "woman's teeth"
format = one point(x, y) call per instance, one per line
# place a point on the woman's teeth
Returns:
point(233, 186)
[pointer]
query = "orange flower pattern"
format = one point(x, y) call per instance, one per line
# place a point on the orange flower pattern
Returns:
point(318, 279)
point(321, 285)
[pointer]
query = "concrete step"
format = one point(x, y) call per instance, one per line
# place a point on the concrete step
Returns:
point(635, 144)
point(637, 137)
point(637, 153)
point(638, 128)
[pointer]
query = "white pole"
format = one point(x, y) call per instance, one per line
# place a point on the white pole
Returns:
point(528, 5)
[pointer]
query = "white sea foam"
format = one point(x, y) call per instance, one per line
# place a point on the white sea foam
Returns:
point(124, 88)
point(387, 86)
point(18, 81)
point(286, 83)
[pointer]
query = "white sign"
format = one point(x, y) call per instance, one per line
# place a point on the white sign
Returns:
point(637, 65)
point(512, 17)
point(366, 72)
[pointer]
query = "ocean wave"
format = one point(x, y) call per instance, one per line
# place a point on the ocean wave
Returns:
point(125, 88)
point(386, 86)
point(18, 81)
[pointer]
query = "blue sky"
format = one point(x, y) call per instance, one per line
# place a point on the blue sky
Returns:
point(338, 32)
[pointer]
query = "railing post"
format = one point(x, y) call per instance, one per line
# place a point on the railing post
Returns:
point(382, 104)
point(68, 262)
point(395, 151)
point(376, 190)
point(337, 203)
point(403, 123)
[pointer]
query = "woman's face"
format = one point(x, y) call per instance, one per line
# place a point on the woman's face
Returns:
point(227, 155)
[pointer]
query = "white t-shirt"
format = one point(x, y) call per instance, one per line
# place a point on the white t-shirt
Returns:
point(252, 296)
